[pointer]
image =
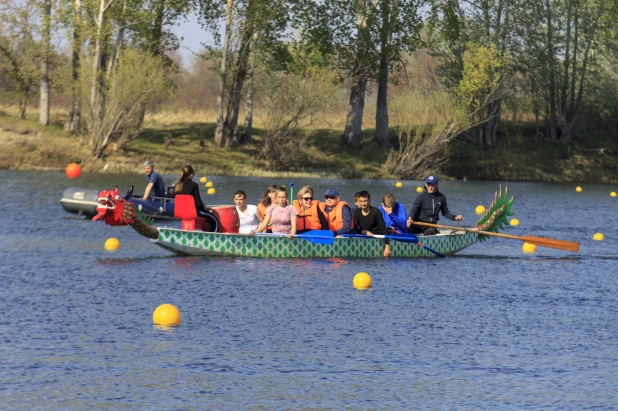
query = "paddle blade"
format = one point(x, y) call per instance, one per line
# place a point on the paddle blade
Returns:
point(551, 243)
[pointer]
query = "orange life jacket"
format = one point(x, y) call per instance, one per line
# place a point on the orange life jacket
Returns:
point(262, 209)
point(308, 219)
point(335, 217)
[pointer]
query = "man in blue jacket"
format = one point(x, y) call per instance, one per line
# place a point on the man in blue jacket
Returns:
point(395, 215)
point(427, 206)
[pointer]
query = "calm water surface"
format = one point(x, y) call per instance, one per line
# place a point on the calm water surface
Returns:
point(488, 329)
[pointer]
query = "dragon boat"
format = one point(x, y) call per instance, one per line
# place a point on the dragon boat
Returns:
point(196, 237)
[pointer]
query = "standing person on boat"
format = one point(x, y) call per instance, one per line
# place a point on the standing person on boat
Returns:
point(337, 212)
point(310, 217)
point(249, 215)
point(282, 215)
point(368, 220)
point(394, 214)
point(185, 185)
point(156, 186)
point(427, 206)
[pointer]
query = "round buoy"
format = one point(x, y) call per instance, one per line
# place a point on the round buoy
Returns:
point(612, 194)
point(211, 190)
point(73, 170)
point(598, 237)
point(209, 184)
point(528, 248)
point(578, 189)
point(398, 184)
point(112, 244)
point(166, 314)
point(480, 209)
point(362, 281)
point(419, 189)
point(203, 180)
point(514, 222)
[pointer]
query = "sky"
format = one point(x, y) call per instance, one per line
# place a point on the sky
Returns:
point(192, 36)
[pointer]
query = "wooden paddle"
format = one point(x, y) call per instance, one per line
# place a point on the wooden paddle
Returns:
point(530, 239)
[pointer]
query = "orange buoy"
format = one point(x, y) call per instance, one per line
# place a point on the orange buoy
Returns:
point(73, 170)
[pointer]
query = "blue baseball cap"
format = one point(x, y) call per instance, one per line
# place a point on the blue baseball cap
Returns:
point(432, 180)
point(331, 192)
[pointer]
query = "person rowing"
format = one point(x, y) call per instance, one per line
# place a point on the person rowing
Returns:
point(427, 208)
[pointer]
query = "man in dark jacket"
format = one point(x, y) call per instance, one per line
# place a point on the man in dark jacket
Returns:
point(427, 207)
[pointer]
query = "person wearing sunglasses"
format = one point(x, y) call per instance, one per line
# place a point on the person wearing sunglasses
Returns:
point(310, 217)
point(338, 213)
point(427, 208)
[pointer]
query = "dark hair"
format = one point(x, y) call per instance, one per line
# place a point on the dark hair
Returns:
point(185, 174)
point(265, 199)
point(240, 193)
point(364, 194)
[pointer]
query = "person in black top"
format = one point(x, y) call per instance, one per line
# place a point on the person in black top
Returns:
point(427, 208)
point(368, 220)
point(185, 185)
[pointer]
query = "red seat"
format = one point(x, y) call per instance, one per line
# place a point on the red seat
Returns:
point(184, 208)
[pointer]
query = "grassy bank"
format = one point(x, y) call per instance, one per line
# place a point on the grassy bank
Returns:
point(25, 145)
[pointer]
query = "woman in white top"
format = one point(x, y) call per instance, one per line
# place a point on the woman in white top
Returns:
point(249, 215)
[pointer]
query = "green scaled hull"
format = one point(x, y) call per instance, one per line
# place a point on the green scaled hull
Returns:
point(199, 243)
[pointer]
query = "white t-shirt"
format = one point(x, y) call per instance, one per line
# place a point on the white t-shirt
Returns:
point(249, 221)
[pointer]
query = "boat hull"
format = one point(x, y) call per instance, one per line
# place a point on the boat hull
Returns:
point(199, 243)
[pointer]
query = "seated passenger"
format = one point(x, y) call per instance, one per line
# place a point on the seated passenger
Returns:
point(338, 213)
point(310, 217)
point(185, 185)
point(282, 215)
point(248, 214)
point(156, 186)
point(394, 214)
point(368, 219)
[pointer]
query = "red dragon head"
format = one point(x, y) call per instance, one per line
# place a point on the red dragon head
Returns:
point(111, 208)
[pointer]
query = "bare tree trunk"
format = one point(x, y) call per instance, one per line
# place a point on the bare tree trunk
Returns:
point(219, 140)
point(97, 78)
point(381, 136)
point(248, 126)
point(552, 74)
point(230, 128)
point(46, 34)
point(73, 122)
point(352, 133)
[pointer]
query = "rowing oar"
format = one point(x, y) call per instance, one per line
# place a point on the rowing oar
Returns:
point(404, 238)
point(315, 236)
point(530, 239)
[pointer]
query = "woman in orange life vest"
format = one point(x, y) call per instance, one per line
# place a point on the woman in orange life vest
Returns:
point(267, 199)
point(338, 213)
point(310, 217)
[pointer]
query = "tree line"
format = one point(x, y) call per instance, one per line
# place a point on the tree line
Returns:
point(547, 64)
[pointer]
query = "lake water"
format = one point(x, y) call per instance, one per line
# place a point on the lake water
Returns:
point(488, 329)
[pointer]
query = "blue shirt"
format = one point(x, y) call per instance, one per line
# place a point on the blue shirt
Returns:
point(158, 186)
point(397, 219)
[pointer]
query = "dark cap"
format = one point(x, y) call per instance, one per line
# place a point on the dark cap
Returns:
point(432, 180)
point(331, 192)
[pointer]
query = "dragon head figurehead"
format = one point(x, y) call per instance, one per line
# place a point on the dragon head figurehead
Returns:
point(495, 217)
point(116, 210)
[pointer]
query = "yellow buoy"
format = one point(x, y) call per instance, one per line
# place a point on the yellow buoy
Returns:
point(598, 237)
point(578, 189)
point(211, 190)
point(528, 248)
point(419, 189)
point(612, 194)
point(480, 209)
point(209, 184)
point(514, 222)
point(166, 314)
point(112, 244)
point(398, 184)
point(203, 180)
point(362, 281)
